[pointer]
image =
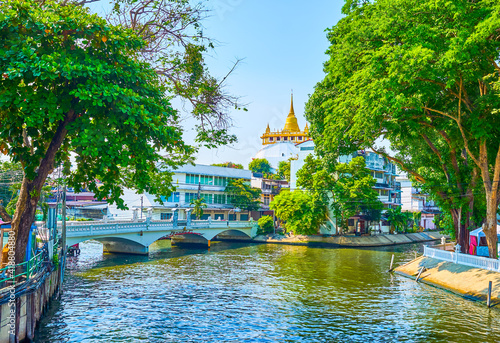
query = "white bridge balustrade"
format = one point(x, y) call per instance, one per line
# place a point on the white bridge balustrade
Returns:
point(464, 259)
point(134, 237)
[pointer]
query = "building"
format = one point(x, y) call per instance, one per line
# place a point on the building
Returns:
point(414, 200)
point(269, 188)
point(190, 180)
point(280, 145)
point(383, 171)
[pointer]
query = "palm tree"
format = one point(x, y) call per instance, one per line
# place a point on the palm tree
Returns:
point(198, 204)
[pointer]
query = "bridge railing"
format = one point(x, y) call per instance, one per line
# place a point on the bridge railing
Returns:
point(102, 228)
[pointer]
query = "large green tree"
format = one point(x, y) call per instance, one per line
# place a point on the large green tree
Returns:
point(302, 211)
point(228, 165)
point(260, 165)
point(242, 195)
point(429, 67)
point(346, 187)
point(70, 82)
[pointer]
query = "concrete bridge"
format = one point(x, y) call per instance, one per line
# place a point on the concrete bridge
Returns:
point(135, 237)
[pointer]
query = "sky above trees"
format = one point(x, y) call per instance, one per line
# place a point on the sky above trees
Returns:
point(282, 44)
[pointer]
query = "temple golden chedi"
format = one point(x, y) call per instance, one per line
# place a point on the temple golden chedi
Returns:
point(291, 132)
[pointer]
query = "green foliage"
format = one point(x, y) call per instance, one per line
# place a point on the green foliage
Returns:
point(198, 205)
point(260, 165)
point(228, 165)
point(242, 195)
point(348, 188)
point(64, 70)
point(424, 75)
point(400, 221)
point(444, 222)
point(266, 225)
point(10, 173)
point(284, 170)
point(302, 211)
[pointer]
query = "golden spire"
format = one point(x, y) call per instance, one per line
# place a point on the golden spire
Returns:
point(268, 129)
point(291, 124)
point(306, 129)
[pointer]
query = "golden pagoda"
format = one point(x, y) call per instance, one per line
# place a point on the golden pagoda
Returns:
point(290, 133)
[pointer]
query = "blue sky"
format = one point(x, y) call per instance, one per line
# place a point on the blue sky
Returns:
point(283, 45)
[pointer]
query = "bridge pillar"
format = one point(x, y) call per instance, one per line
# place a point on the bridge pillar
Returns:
point(124, 247)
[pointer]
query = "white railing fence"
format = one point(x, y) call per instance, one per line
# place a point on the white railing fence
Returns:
point(463, 259)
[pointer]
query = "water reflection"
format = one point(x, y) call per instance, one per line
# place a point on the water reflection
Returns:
point(257, 293)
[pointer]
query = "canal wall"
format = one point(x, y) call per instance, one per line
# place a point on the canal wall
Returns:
point(19, 316)
point(351, 241)
point(468, 282)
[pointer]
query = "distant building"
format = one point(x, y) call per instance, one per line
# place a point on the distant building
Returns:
point(280, 145)
point(269, 188)
point(383, 171)
point(414, 200)
point(209, 181)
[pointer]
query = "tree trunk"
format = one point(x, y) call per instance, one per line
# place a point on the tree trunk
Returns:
point(490, 226)
point(30, 191)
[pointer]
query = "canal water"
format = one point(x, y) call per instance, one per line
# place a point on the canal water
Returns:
point(240, 292)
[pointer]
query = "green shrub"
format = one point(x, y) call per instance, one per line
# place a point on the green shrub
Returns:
point(266, 225)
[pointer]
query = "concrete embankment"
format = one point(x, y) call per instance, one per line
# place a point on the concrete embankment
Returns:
point(352, 241)
point(469, 282)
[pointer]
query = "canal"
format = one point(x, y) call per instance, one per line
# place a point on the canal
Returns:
point(240, 292)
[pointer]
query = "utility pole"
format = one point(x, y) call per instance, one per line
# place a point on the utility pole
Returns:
point(199, 189)
point(63, 236)
point(141, 205)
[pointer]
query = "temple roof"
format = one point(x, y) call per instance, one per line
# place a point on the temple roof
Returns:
point(291, 124)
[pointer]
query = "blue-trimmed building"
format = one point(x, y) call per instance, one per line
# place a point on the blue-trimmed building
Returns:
point(209, 181)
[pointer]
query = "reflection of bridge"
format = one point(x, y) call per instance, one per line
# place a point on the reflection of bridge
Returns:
point(135, 237)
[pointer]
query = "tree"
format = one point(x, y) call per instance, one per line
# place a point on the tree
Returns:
point(73, 83)
point(423, 74)
point(398, 220)
point(198, 204)
point(242, 195)
point(284, 170)
point(228, 165)
point(266, 225)
point(260, 165)
point(302, 211)
point(348, 188)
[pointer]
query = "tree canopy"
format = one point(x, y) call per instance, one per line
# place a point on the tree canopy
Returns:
point(302, 211)
point(260, 165)
point(73, 83)
point(242, 195)
point(423, 73)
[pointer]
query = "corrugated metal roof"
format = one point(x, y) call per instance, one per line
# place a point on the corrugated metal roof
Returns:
point(203, 169)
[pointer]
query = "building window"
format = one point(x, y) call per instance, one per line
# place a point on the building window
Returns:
point(285, 138)
point(190, 197)
point(219, 198)
point(174, 197)
point(208, 198)
point(232, 216)
point(278, 139)
point(266, 199)
point(220, 181)
point(192, 179)
point(300, 138)
point(350, 222)
point(270, 139)
point(219, 216)
point(292, 138)
point(165, 216)
point(244, 217)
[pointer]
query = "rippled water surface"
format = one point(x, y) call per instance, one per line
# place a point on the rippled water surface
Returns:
point(256, 293)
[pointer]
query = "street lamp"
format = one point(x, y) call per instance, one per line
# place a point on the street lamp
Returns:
point(235, 210)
